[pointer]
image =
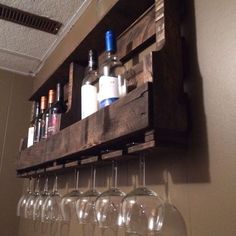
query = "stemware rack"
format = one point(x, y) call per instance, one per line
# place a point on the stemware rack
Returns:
point(152, 116)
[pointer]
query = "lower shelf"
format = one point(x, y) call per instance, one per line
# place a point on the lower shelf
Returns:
point(112, 128)
point(131, 151)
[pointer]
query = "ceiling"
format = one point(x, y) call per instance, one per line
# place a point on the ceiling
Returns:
point(24, 50)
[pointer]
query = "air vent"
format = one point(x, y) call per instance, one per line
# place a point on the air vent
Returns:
point(28, 19)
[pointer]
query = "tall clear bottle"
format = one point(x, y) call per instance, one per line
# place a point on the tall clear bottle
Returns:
point(112, 84)
point(89, 100)
point(58, 108)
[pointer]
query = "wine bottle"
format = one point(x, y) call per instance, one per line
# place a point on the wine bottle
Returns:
point(42, 118)
point(89, 100)
point(58, 108)
point(51, 100)
point(112, 84)
point(31, 130)
point(36, 120)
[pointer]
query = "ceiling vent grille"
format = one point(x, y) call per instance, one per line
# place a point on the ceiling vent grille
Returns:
point(28, 19)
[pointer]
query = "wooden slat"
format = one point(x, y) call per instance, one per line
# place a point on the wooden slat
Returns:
point(112, 154)
point(169, 112)
point(89, 160)
point(140, 73)
point(137, 34)
point(141, 147)
point(105, 127)
point(73, 114)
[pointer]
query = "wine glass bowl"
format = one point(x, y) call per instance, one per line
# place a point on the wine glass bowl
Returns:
point(108, 208)
point(138, 211)
point(173, 223)
point(23, 200)
point(108, 204)
point(51, 209)
point(142, 208)
point(68, 202)
point(85, 206)
point(38, 206)
point(29, 208)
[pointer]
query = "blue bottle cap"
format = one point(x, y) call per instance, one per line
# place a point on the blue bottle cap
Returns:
point(110, 41)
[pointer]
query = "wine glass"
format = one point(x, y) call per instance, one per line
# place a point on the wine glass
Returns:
point(69, 200)
point(22, 202)
point(29, 207)
point(85, 206)
point(142, 208)
point(51, 210)
point(108, 204)
point(38, 206)
point(173, 223)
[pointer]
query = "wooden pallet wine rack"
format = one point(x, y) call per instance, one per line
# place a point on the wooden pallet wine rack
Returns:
point(152, 115)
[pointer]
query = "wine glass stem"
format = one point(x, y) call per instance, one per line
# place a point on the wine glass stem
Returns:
point(76, 179)
point(37, 185)
point(142, 170)
point(29, 185)
point(46, 185)
point(167, 193)
point(114, 174)
point(55, 184)
point(93, 177)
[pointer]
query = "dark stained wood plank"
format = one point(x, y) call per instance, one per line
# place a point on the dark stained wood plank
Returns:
point(89, 160)
point(169, 112)
point(124, 117)
point(140, 73)
point(71, 164)
point(73, 114)
point(141, 147)
point(112, 154)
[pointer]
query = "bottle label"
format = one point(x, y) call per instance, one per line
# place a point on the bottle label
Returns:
point(89, 101)
point(30, 140)
point(37, 131)
point(54, 123)
point(108, 90)
point(44, 127)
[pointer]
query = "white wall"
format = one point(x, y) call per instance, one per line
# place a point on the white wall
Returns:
point(14, 116)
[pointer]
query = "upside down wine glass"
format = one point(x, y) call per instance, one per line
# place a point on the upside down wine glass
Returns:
point(85, 206)
point(51, 210)
point(173, 223)
point(142, 208)
point(108, 204)
point(38, 206)
point(68, 203)
point(23, 200)
point(29, 208)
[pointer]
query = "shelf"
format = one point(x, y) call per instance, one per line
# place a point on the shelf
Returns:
point(152, 116)
point(109, 128)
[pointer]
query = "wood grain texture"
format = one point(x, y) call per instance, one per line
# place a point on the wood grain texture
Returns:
point(142, 30)
point(73, 114)
point(111, 125)
point(170, 116)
